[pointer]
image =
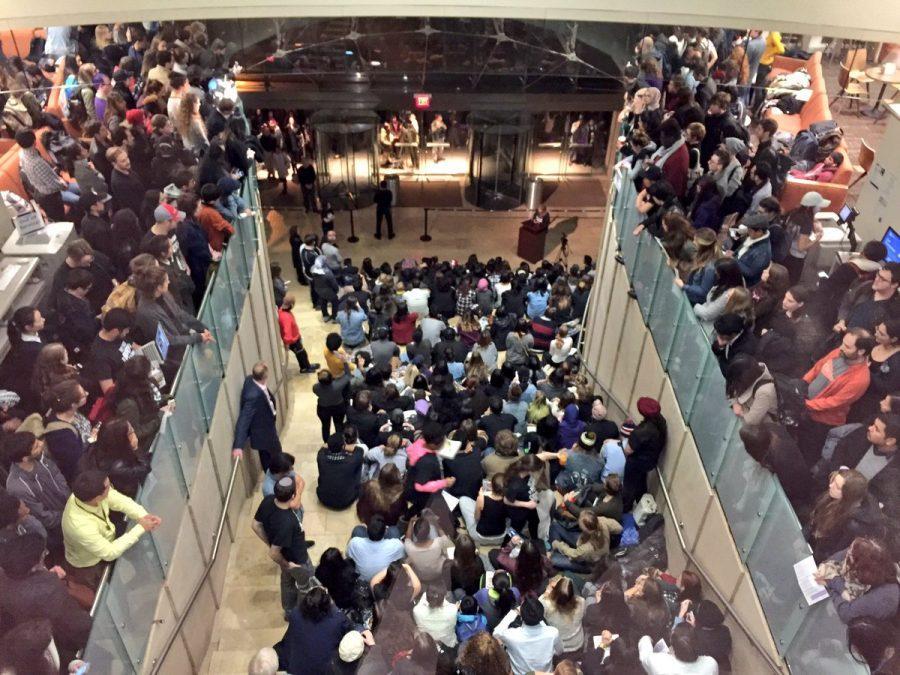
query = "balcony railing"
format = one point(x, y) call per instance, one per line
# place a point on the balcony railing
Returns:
point(142, 593)
point(763, 523)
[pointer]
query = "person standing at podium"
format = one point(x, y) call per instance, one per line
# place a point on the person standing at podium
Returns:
point(541, 218)
point(383, 200)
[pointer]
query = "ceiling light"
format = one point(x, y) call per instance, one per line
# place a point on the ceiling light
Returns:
point(405, 78)
point(348, 52)
point(374, 64)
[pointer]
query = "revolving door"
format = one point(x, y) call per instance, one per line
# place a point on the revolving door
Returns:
point(346, 156)
point(498, 157)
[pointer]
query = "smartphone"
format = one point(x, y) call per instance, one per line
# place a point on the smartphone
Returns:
point(83, 668)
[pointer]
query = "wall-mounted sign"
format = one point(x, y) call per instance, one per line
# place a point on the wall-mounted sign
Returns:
point(422, 101)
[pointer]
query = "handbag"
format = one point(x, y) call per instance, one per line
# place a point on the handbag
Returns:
point(645, 508)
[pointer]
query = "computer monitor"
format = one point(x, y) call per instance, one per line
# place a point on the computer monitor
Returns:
point(891, 240)
point(847, 214)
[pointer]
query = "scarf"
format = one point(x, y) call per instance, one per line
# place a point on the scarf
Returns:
point(853, 589)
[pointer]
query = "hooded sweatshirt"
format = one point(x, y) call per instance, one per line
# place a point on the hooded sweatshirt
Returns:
point(570, 427)
point(468, 625)
point(43, 490)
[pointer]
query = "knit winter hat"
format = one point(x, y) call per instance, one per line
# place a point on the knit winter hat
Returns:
point(482, 284)
point(627, 427)
point(352, 646)
point(648, 406)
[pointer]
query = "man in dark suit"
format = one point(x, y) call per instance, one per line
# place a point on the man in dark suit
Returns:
point(384, 198)
point(256, 420)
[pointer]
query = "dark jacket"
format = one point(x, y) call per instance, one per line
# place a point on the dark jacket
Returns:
point(144, 416)
point(127, 190)
point(745, 343)
point(195, 249)
point(879, 602)
point(699, 283)
point(367, 424)
point(43, 595)
point(16, 372)
point(126, 477)
point(181, 328)
point(311, 646)
point(256, 421)
point(718, 128)
point(64, 445)
point(865, 521)
point(340, 474)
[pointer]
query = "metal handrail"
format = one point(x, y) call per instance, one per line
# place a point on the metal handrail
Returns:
point(761, 648)
point(170, 640)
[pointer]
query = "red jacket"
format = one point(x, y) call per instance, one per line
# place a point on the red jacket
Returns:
point(402, 330)
point(833, 402)
point(290, 331)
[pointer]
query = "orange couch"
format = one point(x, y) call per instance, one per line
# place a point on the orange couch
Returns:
point(814, 110)
point(17, 41)
point(9, 160)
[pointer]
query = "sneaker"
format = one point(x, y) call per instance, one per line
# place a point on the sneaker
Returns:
point(378, 236)
point(313, 367)
point(391, 235)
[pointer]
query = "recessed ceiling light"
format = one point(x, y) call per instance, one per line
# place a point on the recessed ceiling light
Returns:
point(374, 64)
point(348, 52)
point(405, 78)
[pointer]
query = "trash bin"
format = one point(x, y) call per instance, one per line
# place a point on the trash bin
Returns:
point(393, 183)
point(534, 193)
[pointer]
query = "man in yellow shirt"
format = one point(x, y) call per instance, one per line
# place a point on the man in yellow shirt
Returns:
point(88, 532)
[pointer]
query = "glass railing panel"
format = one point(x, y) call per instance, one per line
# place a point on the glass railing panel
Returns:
point(239, 246)
point(221, 317)
point(745, 489)
point(233, 262)
point(630, 248)
point(133, 594)
point(208, 368)
point(651, 264)
point(668, 309)
point(711, 420)
point(105, 650)
point(686, 363)
point(778, 546)
point(188, 423)
point(820, 645)
point(164, 492)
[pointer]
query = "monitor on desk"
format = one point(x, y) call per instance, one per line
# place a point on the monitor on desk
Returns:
point(891, 241)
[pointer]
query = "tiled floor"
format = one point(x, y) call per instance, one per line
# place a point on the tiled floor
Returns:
point(250, 616)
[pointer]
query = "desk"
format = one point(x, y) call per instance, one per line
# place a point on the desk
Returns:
point(878, 75)
point(48, 242)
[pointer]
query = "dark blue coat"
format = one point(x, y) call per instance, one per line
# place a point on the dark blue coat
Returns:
point(255, 420)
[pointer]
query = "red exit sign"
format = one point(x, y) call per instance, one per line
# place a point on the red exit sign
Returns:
point(422, 101)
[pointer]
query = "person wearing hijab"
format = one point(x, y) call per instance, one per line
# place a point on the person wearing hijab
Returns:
point(570, 427)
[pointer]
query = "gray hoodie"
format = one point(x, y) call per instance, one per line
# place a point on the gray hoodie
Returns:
point(43, 490)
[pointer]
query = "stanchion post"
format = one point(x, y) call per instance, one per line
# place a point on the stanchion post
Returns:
point(426, 236)
point(352, 238)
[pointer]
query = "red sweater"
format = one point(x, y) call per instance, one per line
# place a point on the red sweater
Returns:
point(833, 402)
point(402, 330)
point(290, 331)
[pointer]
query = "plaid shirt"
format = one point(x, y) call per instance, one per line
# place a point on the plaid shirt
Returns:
point(464, 302)
point(39, 174)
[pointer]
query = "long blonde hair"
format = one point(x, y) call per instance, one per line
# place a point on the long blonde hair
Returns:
point(708, 249)
point(740, 302)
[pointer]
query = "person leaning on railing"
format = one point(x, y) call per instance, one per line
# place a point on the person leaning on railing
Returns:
point(89, 532)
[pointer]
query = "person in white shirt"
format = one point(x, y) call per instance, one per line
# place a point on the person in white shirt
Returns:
point(435, 616)
point(417, 299)
point(530, 643)
point(682, 658)
point(560, 346)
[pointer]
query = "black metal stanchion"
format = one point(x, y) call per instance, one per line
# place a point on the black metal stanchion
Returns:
point(352, 238)
point(426, 236)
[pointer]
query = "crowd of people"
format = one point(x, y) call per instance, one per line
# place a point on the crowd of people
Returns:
point(811, 365)
point(151, 180)
point(492, 491)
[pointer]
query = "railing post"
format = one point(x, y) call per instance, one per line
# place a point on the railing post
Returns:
point(352, 238)
point(426, 236)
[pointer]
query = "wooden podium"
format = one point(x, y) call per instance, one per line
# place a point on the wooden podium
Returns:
point(532, 240)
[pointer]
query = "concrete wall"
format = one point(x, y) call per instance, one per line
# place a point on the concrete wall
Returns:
point(620, 352)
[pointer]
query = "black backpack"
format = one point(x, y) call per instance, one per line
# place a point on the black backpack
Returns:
point(77, 109)
point(791, 392)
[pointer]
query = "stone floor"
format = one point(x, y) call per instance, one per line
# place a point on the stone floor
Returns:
point(250, 616)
